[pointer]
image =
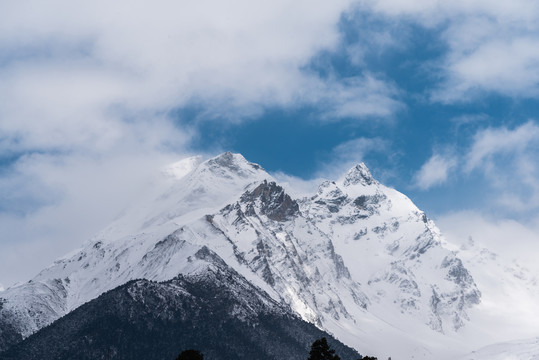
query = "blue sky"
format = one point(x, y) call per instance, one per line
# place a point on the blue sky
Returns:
point(439, 99)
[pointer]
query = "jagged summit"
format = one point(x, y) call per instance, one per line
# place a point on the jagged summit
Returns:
point(359, 174)
point(234, 162)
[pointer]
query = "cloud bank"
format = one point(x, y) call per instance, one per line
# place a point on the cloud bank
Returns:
point(89, 94)
point(92, 92)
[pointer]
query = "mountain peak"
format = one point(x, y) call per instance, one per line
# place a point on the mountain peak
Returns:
point(234, 163)
point(359, 174)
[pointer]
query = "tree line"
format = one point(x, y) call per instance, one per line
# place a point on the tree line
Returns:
point(320, 350)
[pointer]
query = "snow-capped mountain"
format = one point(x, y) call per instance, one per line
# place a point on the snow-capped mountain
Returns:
point(356, 258)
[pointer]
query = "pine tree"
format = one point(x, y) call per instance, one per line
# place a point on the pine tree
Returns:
point(190, 355)
point(320, 350)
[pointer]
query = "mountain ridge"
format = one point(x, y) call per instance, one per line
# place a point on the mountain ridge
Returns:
point(355, 253)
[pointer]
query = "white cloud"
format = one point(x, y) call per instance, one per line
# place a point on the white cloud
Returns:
point(51, 204)
point(508, 160)
point(296, 186)
point(494, 141)
point(502, 159)
point(345, 155)
point(86, 89)
point(69, 68)
point(490, 52)
point(435, 171)
point(465, 119)
point(354, 150)
point(502, 235)
point(358, 96)
point(341, 159)
point(491, 46)
point(431, 11)
point(508, 67)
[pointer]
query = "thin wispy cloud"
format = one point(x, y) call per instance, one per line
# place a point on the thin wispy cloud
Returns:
point(350, 153)
point(491, 142)
point(503, 157)
point(508, 159)
point(435, 171)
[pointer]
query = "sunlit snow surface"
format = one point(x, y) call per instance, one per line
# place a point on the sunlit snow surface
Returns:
point(356, 258)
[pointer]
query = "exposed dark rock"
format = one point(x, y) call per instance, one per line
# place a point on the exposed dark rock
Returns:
point(274, 202)
point(370, 204)
point(361, 201)
point(460, 275)
point(360, 234)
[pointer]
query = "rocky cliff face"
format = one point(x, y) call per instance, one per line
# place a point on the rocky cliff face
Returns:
point(355, 258)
